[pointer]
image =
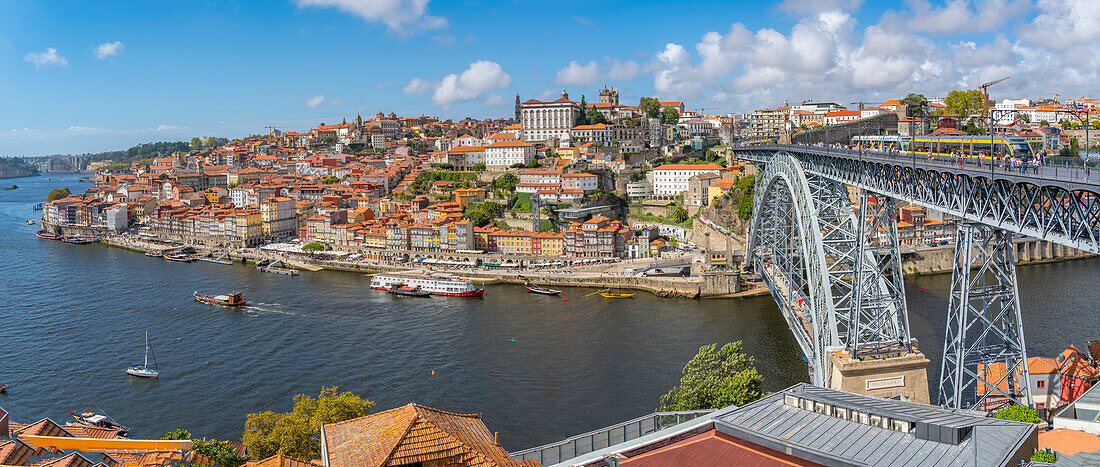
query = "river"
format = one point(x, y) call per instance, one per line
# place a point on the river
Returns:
point(538, 368)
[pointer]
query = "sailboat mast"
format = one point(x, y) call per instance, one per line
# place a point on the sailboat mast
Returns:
point(146, 349)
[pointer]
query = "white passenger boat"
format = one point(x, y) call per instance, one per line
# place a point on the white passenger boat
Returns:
point(435, 284)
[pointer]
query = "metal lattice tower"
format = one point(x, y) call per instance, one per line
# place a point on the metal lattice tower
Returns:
point(882, 323)
point(984, 357)
point(536, 210)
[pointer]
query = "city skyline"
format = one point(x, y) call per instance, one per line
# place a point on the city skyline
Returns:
point(85, 78)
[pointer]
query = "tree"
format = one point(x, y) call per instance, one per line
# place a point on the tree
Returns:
point(313, 247)
point(916, 103)
point(479, 167)
point(746, 186)
point(713, 380)
point(330, 180)
point(963, 103)
point(177, 434)
point(58, 193)
point(1045, 457)
point(297, 433)
point(506, 182)
point(594, 117)
point(196, 143)
point(679, 214)
point(669, 116)
point(1044, 123)
point(650, 107)
point(583, 119)
point(1025, 117)
point(534, 163)
point(1018, 413)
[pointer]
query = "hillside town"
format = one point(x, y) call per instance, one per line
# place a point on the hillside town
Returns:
point(561, 178)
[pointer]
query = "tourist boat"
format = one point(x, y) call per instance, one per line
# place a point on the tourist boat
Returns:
point(47, 235)
point(154, 254)
point(540, 290)
point(612, 294)
point(143, 370)
point(93, 419)
point(30, 221)
point(435, 284)
point(77, 240)
point(402, 289)
point(232, 299)
point(179, 257)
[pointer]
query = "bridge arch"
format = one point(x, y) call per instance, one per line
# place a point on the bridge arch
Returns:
point(786, 250)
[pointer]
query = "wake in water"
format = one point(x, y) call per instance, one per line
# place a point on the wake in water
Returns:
point(266, 307)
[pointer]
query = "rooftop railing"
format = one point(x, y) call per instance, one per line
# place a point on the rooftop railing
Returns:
point(582, 444)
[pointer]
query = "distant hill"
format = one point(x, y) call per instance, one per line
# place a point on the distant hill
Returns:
point(12, 167)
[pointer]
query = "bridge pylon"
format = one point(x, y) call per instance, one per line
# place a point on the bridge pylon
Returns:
point(984, 358)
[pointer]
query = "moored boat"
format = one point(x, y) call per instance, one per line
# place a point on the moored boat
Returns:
point(30, 221)
point(48, 235)
point(179, 257)
point(78, 240)
point(402, 289)
point(143, 370)
point(613, 294)
point(93, 419)
point(230, 299)
point(540, 290)
point(436, 284)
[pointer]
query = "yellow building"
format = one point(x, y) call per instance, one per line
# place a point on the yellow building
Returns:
point(719, 188)
point(465, 196)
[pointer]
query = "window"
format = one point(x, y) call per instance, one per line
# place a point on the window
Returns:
point(1041, 384)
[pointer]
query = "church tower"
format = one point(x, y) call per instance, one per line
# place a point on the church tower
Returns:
point(517, 108)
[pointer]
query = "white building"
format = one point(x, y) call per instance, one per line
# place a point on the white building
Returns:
point(504, 154)
point(467, 140)
point(464, 157)
point(841, 116)
point(672, 179)
point(580, 181)
point(600, 132)
point(543, 120)
point(116, 217)
point(552, 177)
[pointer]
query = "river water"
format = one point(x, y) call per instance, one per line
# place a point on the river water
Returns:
point(73, 317)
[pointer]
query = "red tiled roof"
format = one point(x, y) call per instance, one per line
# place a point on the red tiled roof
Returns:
point(714, 448)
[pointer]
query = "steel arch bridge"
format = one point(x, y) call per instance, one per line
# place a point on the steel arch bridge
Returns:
point(835, 272)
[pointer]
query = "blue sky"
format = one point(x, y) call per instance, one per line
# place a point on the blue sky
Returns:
point(93, 76)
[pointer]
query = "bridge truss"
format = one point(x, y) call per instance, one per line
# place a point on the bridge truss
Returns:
point(837, 275)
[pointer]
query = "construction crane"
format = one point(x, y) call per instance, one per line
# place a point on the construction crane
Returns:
point(985, 93)
point(271, 129)
point(1056, 96)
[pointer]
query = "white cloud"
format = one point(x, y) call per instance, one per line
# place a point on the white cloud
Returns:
point(480, 76)
point(317, 101)
point(400, 16)
point(802, 7)
point(1063, 24)
point(109, 49)
point(955, 17)
point(418, 86)
point(49, 57)
point(583, 21)
point(575, 74)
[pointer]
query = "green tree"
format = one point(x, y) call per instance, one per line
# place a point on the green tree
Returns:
point(330, 180)
point(594, 117)
point(916, 103)
point(679, 214)
point(1044, 123)
point(963, 103)
point(313, 247)
point(669, 116)
point(178, 433)
point(58, 193)
point(479, 167)
point(583, 119)
point(220, 452)
point(1018, 413)
point(533, 163)
point(297, 433)
point(506, 183)
point(714, 380)
point(196, 143)
point(1025, 117)
point(650, 107)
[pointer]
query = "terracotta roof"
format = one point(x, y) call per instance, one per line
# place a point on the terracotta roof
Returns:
point(1068, 442)
point(413, 434)
point(15, 452)
point(71, 460)
point(714, 448)
point(511, 144)
point(711, 166)
point(280, 460)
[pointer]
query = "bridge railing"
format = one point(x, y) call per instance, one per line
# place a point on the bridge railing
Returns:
point(1052, 168)
point(582, 444)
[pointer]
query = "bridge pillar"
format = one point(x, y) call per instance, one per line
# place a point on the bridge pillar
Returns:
point(984, 358)
point(904, 374)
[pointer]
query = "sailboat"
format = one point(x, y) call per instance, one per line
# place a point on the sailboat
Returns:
point(143, 371)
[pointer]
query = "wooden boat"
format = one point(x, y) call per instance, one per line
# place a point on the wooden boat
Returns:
point(3, 388)
point(154, 254)
point(231, 299)
point(47, 235)
point(540, 290)
point(30, 221)
point(216, 261)
point(616, 295)
point(402, 289)
point(93, 419)
point(143, 370)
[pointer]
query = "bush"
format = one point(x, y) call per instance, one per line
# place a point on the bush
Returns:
point(1018, 413)
point(313, 247)
point(330, 180)
point(220, 452)
point(58, 193)
point(479, 167)
point(1043, 456)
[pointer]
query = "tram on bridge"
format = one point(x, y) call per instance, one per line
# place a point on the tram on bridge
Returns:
point(984, 147)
